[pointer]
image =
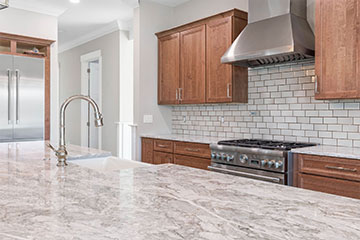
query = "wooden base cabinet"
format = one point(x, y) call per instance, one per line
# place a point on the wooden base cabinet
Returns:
point(337, 176)
point(158, 151)
point(329, 185)
point(190, 69)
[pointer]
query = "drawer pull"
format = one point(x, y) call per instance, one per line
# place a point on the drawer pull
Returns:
point(192, 150)
point(342, 169)
point(162, 146)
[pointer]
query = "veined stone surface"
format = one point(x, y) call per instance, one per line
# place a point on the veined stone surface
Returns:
point(41, 201)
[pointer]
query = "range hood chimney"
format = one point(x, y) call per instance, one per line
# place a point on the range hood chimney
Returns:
point(4, 4)
point(277, 32)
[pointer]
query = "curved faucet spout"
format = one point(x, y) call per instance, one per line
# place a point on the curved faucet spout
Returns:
point(61, 153)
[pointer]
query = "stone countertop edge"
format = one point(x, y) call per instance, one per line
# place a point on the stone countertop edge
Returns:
point(187, 138)
point(330, 151)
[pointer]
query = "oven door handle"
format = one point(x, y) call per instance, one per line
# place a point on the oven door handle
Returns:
point(244, 174)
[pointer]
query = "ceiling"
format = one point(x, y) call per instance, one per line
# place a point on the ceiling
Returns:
point(78, 21)
point(170, 3)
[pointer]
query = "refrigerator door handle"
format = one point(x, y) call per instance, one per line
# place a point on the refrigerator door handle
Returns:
point(17, 95)
point(9, 95)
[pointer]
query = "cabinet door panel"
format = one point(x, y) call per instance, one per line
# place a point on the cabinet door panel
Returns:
point(195, 162)
point(163, 158)
point(218, 75)
point(329, 185)
point(192, 73)
point(337, 49)
point(147, 149)
point(169, 67)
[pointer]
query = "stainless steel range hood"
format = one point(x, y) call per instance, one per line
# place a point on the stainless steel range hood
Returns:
point(4, 4)
point(277, 32)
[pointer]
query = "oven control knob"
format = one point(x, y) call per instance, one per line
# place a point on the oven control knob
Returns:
point(271, 163)
point(230, 158)
point(223, 157)
point(279, 164)
point(264, 162)
point(213, 155)
point(218, 156)
point(243, 158)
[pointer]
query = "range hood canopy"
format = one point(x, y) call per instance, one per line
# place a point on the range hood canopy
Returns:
point(4, 4)
point(277, 32)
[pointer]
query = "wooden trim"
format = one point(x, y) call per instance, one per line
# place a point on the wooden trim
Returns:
point(22, 54)
point(13, 45)
point(47, 93)
point(234, 12)
point(24, 39)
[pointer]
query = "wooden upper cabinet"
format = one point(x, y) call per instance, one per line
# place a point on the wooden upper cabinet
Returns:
point(190, 62)
point(169, 57)
point(224, 82)
point(192, 65)
point(337, 49)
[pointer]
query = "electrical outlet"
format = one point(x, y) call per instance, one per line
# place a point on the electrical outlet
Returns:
point(184, 119)
point(148, 118)
point(222, 119)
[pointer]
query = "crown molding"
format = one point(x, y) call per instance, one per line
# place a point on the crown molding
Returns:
point(112, 27)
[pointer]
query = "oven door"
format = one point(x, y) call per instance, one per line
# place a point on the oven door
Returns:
point(278, 178)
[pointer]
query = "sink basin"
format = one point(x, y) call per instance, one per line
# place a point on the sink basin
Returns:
point(106, 164)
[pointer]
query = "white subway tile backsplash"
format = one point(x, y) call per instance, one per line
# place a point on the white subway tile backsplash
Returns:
point(282, 106)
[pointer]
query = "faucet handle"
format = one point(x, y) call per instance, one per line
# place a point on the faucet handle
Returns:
point(52, 148)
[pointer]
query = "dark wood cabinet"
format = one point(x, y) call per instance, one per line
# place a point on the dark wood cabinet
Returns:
point(330, 185)
point(190, 68)
point(161, 151)
point(328, 174)
point(162, 158)
point(225, 83)
point(194, 162)
point(337, 60)
point(147, 150)
point(169, 57)
point(192, 71)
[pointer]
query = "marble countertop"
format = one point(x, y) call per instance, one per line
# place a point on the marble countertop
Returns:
point(41, 201)
point(186, 138)
point(330, 151)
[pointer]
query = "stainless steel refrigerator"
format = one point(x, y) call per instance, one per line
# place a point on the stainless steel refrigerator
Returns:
point(22, 98)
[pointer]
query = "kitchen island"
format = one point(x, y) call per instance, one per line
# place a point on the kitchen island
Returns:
point(41, 201)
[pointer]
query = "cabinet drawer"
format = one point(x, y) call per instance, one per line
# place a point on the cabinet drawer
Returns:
point(163, 146)
point(330, 167)
point(330, 185)
point(192, 149)
point(194, 162)
point(162, 158)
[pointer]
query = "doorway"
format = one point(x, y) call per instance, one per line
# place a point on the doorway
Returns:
point(91, 85)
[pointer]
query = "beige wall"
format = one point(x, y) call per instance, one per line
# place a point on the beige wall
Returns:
point(70, 84)
point(197, 9)
point(149, 18)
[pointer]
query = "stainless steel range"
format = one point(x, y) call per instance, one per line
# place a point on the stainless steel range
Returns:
point(269, 161)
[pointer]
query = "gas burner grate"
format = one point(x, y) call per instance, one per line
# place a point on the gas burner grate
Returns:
point(266, 144)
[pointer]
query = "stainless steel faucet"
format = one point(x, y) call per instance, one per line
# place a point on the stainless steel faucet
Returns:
point(61, 153)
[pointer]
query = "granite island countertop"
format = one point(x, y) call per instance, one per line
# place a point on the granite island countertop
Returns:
point(41, 201)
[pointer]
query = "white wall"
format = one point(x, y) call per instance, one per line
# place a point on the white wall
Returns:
point(126, 77)
point(70, 84)
point(198, 9)
point(149, 19)
point(26, 23)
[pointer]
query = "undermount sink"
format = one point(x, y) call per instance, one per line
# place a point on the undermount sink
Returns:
point(106, 164)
